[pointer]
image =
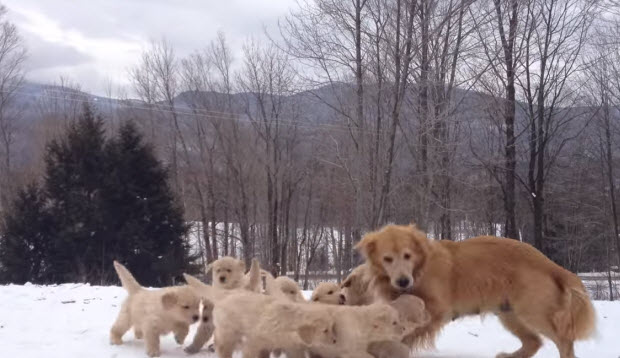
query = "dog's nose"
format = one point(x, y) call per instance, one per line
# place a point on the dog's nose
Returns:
point(222, 279)
point(195, 317)
point(403, 282)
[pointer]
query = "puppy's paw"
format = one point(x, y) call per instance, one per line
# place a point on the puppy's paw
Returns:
point(116, 340)
point(138, 334)
point(191, 349)
point(179, 338)
point(211, 348)
point(153, 352)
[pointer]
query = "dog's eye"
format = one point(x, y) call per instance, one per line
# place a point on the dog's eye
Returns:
point(406, 256)
point(388, 259)
point(205, 319)
point(325, 331)
point(394, 323)
point(186, 307)
point(228, 270)
point(316, 299)
point(330, 292)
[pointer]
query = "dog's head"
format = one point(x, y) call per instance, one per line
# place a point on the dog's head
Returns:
point(385, 323)
point(290, 289)
point(329, 293)
point(320, 332)
point(398, 253)
point(181, 304)
point(355, 287)
point(228, 272)
point(412, 312)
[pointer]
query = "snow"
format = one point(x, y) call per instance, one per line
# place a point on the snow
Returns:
point(34, 322)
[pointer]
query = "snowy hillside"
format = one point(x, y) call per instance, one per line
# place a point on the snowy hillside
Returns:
point(73, 320)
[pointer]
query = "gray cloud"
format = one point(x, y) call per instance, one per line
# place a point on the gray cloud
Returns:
point(99, 39)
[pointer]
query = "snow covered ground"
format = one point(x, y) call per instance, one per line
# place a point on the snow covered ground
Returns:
point(73, 320)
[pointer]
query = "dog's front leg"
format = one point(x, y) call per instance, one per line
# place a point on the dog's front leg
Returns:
point(151, 339)
point(180, 332)
point(204, 332)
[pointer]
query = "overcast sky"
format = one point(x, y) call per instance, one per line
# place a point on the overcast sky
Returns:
point(94, 42)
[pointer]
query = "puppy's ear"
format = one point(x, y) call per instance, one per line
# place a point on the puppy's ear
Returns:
point(307, 333)
point(208, 268)
point(169, 299)
point(348, 281)
point(193, 281)
point(367, 245)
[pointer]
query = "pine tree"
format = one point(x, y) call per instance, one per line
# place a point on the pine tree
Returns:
point(24, 240)
point(141, 213)
point(75, 171)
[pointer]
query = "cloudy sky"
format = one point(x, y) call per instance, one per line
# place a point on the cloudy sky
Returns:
point(94, 42)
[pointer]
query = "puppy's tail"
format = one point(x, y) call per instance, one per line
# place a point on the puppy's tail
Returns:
point(576, 319)
point(270, 284)
point(127, 279)
point(253, 277)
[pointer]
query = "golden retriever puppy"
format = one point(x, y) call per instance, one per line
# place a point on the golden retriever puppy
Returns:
point(282, 287)
point(355, 287)
point(229, 273)
point(530, 294)
point(261, 324)
point(153, 313)
point(230, 281)
point(328, 293)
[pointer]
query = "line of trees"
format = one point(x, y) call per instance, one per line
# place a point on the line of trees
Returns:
point(491, 117)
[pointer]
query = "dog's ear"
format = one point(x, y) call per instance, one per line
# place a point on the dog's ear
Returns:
point(208, 268)
point(367, 245)
point(193, 281)
point(348, 281)
point(169, 299)
point(307, 333)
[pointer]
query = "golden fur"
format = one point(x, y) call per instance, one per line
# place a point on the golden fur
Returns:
point(153, 313)
point(530, 294)
point(205, 328)
point(328, 293)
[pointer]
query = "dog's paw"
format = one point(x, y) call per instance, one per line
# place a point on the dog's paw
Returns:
point(191, 349)
point(138, 334)
point(179, 338)
point(115, 340)
point(211, 348)
point(153, 352)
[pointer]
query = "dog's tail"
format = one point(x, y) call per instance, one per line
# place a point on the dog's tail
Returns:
point(254, 277)
point(270, 284)
point(576, 319)
point(127, 279)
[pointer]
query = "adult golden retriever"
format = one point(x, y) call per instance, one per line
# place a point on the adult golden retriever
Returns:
point(530, 294)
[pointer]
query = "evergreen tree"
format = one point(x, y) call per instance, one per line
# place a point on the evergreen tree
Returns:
point(26, 232)
point(75, 171)
point(140, 211)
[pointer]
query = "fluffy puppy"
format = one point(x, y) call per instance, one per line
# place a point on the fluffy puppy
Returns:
point(355, 287)
point(358, 327)
point(230, 281)
point(530, 294)
point(328, 293)
point(153, 313)
point(262, 323)
point(229, 273)
point(282, 287)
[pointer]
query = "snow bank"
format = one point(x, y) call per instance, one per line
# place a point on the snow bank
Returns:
point(73, 320)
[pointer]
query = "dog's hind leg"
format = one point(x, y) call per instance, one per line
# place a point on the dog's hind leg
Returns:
point(180, 332)
point(121, 325)
point(151, 339)
point(530, 340)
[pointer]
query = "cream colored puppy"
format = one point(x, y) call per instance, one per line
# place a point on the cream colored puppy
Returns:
point(229, 273)
point(224, 273)
point(328, 293)
point(153, 313)
point(262, 323)
point(356, 287)
point(282, 287)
